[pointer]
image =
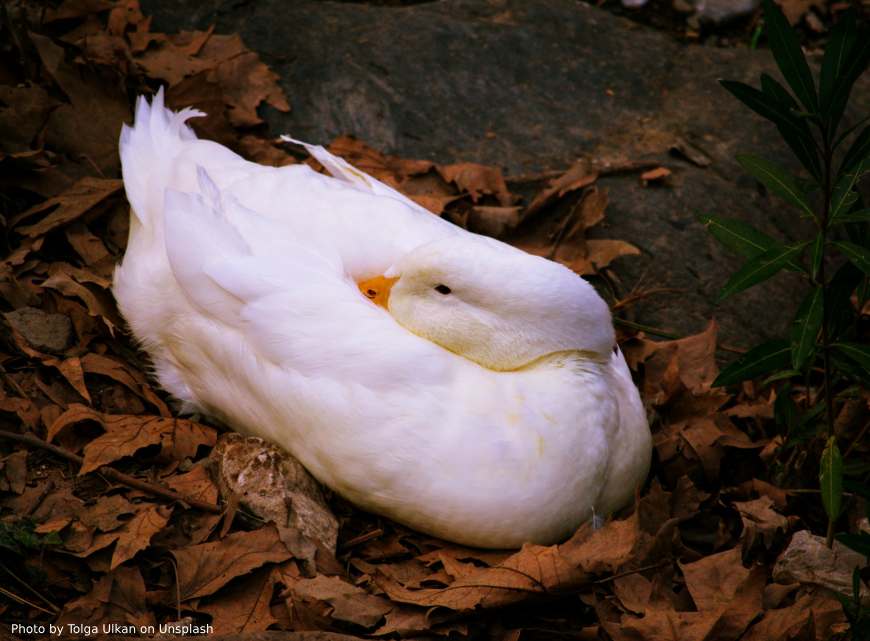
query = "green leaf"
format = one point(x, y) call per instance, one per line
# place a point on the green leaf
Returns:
point(854, 65)
point(779, 376)
point(859, 256)
point(805, 329)
point(858, 151)
point(789, 58)
point(793, 129)
point(844, 195)
point(860, 216)
point(777, 180)
point(776, 104)
point(817, 254)
point(831, 479)
point(760, 268)
point(856, 352)
point(759, 360)
point(738, 236)
point(838, 52)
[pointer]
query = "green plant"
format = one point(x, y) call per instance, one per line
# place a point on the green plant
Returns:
point(825, 349)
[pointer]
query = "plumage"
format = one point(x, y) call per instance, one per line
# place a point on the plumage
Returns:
point(492, 414)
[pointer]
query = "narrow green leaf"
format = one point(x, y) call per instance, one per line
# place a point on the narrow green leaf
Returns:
point(777, 180)
point(817, 254)
point(760, 268)
point(779, 376)
point(845, 196)
point(831, 479)
point(776, 104)
point(857, 352)
point(738, 236)
point(860, 216)
point(771, 87)
point(805, 328)
point(858, 151)
point(759, 360)
point(854, 65)
point(787, 51)
point(859, 256)
point(838, 52)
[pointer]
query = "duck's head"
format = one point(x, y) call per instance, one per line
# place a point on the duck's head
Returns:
point(493, 304)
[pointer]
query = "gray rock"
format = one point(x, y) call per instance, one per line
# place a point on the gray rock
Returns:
point(721, 11)
point(274, 486)
point(532, 86)
point(808, 560)
point(43, 331)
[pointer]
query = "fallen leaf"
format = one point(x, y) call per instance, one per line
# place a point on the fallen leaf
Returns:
point(205, 568)
point(136, 533)
point(68, 206)
point(243, 607)
point(477, 180)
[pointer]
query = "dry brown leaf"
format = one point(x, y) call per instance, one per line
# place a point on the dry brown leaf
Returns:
point(478, 180)
point(68, 206)
point(205, 568)
point(760, 519)
point(126, 434)
point(349, 603)
point(243, 607)
point(13, 472)
point(579, 175)
point(654, 175)
point(196, 484)
point(117, 597)
point(136, 533)
point(814, 614)
point(87, 126)
point(602, 252)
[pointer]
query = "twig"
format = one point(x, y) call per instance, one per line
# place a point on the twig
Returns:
point(30, 589)
point(533, 178)
point(856, 440)
point(654, 566)
point(24, 601)
point(362, 538)
point(631, 299)
point(112, 473)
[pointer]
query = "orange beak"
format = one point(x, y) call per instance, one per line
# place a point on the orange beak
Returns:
point(377, 290)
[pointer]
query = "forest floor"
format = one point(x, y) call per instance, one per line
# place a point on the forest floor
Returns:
point(110, 509)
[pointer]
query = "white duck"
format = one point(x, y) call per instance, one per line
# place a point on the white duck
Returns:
point(483, 401)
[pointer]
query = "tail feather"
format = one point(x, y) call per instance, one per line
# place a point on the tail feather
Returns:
point(145, 147)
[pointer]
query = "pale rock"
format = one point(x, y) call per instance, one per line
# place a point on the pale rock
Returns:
point(808, 560)
point(274, 486)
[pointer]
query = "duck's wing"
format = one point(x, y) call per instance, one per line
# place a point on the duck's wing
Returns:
point(283, 301)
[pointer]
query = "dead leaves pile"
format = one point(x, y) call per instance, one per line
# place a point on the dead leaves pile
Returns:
point(690, 561)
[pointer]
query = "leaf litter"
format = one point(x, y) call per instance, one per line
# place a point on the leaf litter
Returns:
point(692, 559)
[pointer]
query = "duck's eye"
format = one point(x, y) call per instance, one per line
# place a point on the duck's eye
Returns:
point(442, 289)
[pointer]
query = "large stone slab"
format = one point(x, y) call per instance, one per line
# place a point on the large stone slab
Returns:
point(532, 86)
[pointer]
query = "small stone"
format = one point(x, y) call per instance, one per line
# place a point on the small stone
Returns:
point(808, 560)
point(274, 486)
point(42, 331)
point(722, 11)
